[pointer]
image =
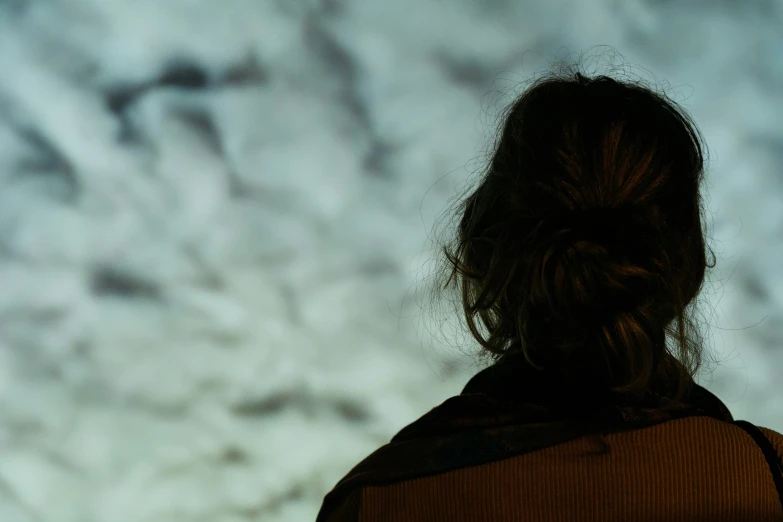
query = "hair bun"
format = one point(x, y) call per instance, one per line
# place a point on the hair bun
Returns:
point(598, 223)
point(606, 274)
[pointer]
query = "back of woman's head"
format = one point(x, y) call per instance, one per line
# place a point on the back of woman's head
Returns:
point(582, 245)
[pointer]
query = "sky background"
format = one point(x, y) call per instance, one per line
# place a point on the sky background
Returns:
point(216, 229)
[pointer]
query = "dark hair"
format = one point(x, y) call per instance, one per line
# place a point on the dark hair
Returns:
point(588, 297)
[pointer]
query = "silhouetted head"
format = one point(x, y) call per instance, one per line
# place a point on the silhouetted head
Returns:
point(590, 300)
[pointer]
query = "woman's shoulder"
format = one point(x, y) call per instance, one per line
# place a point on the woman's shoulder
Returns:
point(775, 438)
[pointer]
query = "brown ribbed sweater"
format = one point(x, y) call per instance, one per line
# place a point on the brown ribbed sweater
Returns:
point(693, 468)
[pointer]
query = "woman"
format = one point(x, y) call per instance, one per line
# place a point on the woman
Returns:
point(578, 254)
